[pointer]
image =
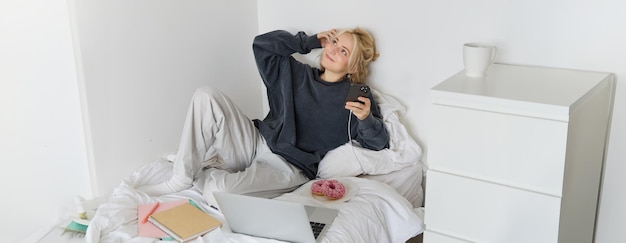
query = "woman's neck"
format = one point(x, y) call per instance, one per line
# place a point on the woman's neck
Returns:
point(332, 77)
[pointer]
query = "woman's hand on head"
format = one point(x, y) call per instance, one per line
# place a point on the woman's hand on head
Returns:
point(326, 36)
point(360, 110)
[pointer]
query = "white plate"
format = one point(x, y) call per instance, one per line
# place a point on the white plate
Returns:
point(351, 190)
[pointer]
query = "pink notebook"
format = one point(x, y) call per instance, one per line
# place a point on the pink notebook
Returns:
point(148, 229)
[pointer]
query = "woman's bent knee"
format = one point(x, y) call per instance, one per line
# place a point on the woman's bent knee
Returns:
point(207, 91)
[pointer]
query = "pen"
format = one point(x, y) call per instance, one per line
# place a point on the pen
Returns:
point(145, 218)
point(167, 238)
point(194, 204)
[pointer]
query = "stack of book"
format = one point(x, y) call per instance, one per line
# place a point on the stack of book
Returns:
point(182, 220)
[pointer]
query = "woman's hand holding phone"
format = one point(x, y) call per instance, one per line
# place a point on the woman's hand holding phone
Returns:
point(360, 108)
point(357, 100)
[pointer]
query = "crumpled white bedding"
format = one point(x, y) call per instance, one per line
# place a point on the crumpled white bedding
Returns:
point(386, 209)
point(378, 213)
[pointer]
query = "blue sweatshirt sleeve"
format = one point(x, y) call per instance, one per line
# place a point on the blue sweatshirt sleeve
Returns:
point(273, 48)
point(371, 131)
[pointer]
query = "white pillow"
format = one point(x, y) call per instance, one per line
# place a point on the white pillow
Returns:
point(352, 160)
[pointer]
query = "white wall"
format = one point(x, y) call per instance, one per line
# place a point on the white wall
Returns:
point(42, 146)
point(420, 44)
point(143, 59)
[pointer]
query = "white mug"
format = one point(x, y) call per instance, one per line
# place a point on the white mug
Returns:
point(477, 58)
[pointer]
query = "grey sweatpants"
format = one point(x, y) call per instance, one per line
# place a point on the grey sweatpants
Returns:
point(222, 150)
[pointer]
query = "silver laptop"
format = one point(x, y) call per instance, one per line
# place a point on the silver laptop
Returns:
point(274, 219)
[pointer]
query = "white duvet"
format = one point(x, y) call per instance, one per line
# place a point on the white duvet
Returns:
point(377, 213)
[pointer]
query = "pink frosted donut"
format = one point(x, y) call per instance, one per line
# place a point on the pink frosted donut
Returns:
point(334, 189)
point(317, 187)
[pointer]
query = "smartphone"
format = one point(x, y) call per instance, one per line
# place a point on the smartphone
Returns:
point(357, 90)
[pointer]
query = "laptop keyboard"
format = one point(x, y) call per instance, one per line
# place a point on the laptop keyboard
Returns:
point(317, 228)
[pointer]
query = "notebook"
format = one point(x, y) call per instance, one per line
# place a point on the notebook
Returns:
point(148, 229)
point(274, 219)
point(184, 222)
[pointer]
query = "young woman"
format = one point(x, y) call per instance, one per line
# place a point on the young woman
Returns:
point(222, 150)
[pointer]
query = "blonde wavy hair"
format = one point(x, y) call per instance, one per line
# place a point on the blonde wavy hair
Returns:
point(363, 53)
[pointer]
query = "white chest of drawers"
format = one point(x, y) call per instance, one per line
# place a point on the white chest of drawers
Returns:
point(517, 156)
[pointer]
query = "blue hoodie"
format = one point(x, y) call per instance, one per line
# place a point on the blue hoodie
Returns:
point(307, 117)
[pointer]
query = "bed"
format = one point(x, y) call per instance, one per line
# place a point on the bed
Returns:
point(386, 208)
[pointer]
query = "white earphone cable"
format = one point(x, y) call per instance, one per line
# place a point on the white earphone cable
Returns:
point(351, 144)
